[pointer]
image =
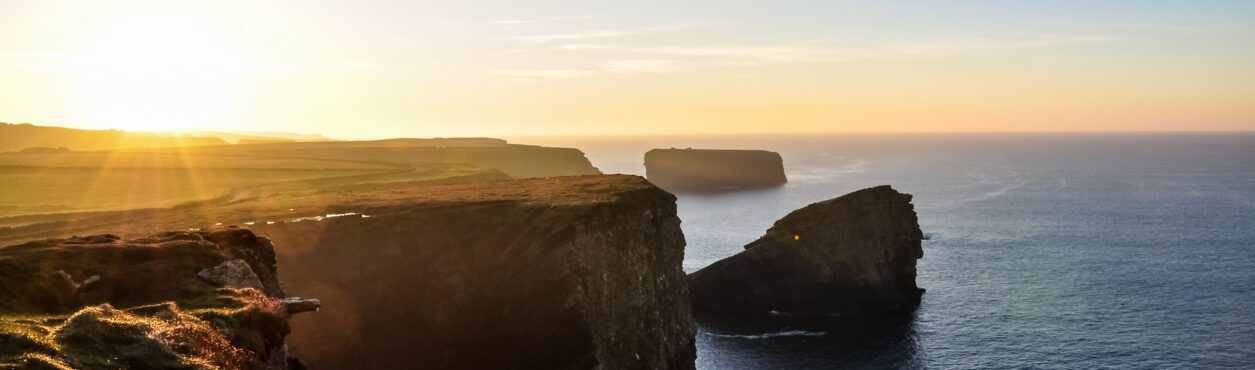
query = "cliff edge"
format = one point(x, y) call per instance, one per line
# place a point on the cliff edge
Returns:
point(177, 300)
point(702, 170)
point(557, 273)
point(849, 255)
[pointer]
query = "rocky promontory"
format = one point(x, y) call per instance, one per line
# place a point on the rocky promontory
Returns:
point(558, 273)
point(703, 170)
point(175, 300)
point(849, 255)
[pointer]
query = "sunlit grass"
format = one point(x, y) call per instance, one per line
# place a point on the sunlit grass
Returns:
point(227, 331)
point(68, 182)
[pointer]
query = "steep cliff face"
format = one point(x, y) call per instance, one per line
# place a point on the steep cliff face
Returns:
point(571, 272)
point(699, 170)
point(103, 302)
point(848, 255)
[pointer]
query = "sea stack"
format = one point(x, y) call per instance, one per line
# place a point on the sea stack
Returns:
point(850, 255)
point(710, 170)
point(176, 300)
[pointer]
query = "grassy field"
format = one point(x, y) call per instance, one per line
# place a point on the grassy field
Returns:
point(72, 182)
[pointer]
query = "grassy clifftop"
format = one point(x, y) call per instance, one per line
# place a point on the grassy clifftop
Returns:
point(100, 302)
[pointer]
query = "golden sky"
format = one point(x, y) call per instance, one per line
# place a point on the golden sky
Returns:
point(354, 69)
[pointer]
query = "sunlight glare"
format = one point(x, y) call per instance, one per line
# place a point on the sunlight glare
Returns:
point(159, 72)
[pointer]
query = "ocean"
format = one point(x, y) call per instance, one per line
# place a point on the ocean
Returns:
point(1069, 251)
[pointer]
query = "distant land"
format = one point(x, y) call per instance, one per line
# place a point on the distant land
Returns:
point(106, 170)
point(15, 137)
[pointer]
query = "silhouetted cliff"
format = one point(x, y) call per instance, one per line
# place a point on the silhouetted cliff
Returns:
point(852, 254)
point(713, 170)
point(567, 272)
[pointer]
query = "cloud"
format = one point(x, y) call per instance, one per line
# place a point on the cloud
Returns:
point(640, 66)
point(765, 53)
point(618, 67)
point(950, 47)
point(1187, 29)
point(513, 21)
point(631, 59)
point(543, 20)
point(607, 33)
point(548, 73)
point(814, 52)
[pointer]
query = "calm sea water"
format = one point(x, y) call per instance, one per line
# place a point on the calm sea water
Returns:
point(1073, 251)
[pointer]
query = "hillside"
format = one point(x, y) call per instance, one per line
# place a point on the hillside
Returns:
point(15, 137)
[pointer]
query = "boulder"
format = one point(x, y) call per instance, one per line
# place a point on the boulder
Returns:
point(849, 255)
point(232, 274)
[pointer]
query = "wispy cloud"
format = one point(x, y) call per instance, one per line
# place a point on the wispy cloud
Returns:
point(623, 58)
point(513, 21)
point(616, 67)
point(543, 20)
point(1187, 29)
point(548, 73)
point(814, 52)
point(607, 33)
point(766, 53)
point(640, 66)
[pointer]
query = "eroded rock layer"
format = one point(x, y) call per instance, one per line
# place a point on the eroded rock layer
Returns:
point(848, 255)
point(560, 273)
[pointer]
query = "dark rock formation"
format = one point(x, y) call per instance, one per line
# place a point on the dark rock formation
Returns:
point(561, 273)
point(849, 255)
point(142, 304)
point(700, 170)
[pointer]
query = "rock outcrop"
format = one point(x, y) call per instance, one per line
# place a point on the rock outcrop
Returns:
point(560, 273)
point(849, 255)
point(141, 303)
point(705, 170)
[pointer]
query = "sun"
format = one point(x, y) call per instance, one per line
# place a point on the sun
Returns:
point(159, 72)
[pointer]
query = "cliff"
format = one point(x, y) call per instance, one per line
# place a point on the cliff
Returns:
point(563, 272)
point(848, 255)
point(568, 272)
point(186, 300)
point(713, 170)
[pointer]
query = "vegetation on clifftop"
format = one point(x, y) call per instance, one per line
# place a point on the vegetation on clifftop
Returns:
point(102, 303)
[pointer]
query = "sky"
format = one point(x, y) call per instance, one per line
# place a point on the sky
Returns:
point(393, 68)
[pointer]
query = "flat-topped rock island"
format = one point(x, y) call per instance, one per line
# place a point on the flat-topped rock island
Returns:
point(713, 170)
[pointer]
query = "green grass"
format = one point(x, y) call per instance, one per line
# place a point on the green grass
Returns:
point(164, 335)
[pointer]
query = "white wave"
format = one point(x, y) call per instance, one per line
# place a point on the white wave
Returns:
point(326, 216)
point(786, 333)
point(1000, 191)
point(820, 174)
point(859, 165)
